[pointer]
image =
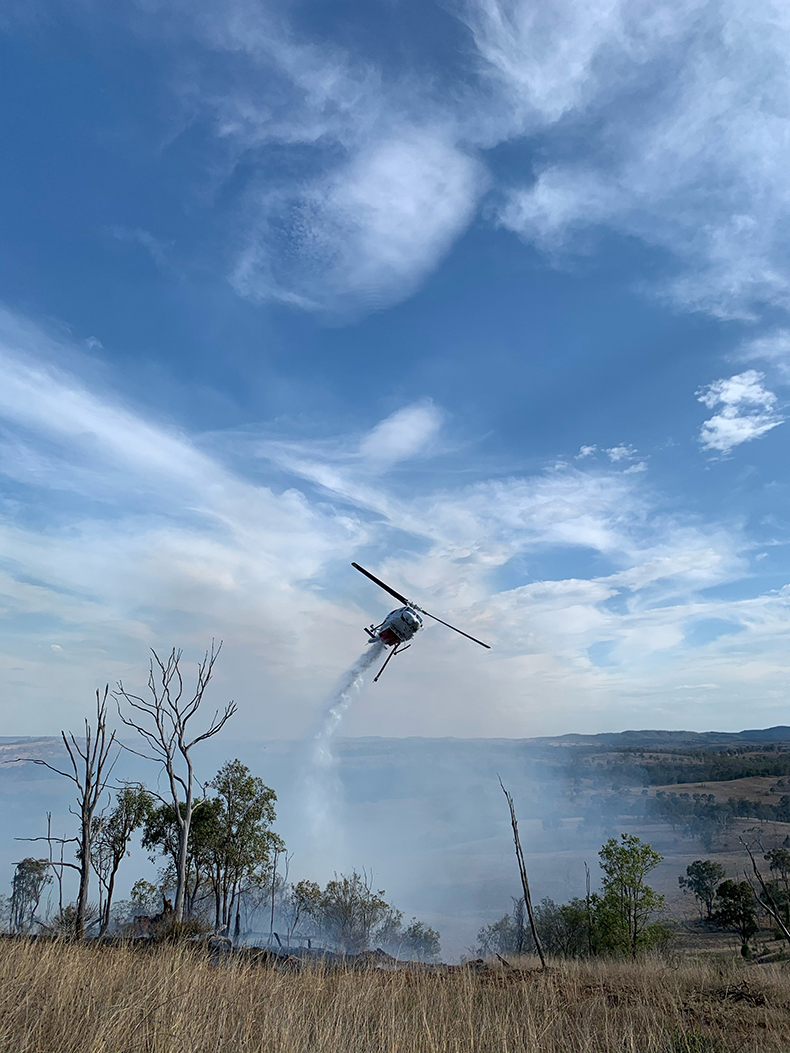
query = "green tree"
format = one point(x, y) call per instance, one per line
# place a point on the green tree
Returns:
point(111, 837)
point(627, 904)
point(736, 910)
point(420, 942)
point(703, 877)
point(241, 839)
point(302, 903)
point(779, 862)
point(162, 837)
point(779, 887)
point(563, 928)
point(349, 911)
point(30, 877)
point(389, 932)
point(500, 937)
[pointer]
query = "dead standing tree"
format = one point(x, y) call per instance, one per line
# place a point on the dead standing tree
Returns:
point(90, 772)
point(522, 868)
point(162, 720)
point(766, 900)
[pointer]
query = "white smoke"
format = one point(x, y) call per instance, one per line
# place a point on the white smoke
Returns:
point(322, 785)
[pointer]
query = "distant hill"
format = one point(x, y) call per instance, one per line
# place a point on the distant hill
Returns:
point(656, 739)
point(640, 740)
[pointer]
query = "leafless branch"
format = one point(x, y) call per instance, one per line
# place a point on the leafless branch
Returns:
point(36, 760)
point(92, 763)
point(54, 840)
point(162, 719)
point(769, 903)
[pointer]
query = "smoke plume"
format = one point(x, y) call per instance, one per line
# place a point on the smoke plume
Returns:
point(322, 784)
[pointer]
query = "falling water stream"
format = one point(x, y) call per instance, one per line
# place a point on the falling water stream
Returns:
point(322, 788)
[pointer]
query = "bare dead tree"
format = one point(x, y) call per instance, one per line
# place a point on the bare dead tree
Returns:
point(274, 889)
point(91, 768)
point(57, 867)
point(588, 909)
point(766, 900)
point(522, 867)
point(55, 864)
point(163, 722)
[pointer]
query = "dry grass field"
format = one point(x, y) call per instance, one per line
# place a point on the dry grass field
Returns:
point(61, 998)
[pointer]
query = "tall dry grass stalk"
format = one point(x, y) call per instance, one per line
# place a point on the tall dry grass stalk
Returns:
point(62, 998)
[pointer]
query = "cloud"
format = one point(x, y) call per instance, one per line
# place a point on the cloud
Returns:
point(749, 411)
point(127, 533)
point(368, 232)
point(678, 117)
point(550, 59)
point(662, 121)
point(383, 184)
point(623, 452)
point(667, 124)
point(402, 435)
point(773, 347)
point(158, 250)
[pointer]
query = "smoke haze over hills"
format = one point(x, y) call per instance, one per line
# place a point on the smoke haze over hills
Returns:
point(425, 816)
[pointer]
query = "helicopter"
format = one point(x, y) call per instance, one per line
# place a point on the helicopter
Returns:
point(401, 625)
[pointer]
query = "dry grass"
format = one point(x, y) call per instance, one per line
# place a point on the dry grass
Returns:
point(57, 998)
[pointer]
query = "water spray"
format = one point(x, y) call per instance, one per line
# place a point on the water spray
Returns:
point(321, 791)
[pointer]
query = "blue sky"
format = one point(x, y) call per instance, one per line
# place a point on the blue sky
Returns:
point(490, 296)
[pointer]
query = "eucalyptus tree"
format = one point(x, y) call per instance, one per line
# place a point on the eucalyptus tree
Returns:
point(627, 905)
point(242, 841)
point(111, 840)
point(30, 877)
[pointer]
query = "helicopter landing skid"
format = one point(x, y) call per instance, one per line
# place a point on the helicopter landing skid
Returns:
point(395, 650)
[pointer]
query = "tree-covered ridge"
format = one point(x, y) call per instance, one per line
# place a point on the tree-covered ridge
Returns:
point(654, 768)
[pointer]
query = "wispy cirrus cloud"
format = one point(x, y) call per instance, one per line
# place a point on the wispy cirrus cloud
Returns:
point(772, 346)
point(386, 184)
point(664, 122)
point(677, 118)
point(127, 532)
point(672, 115)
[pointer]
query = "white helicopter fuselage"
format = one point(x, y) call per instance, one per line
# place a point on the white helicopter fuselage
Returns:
point(397, 628)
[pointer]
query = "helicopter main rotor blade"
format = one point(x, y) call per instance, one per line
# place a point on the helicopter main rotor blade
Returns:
point(472, 638)
point(408, 603)
point(380, 583)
